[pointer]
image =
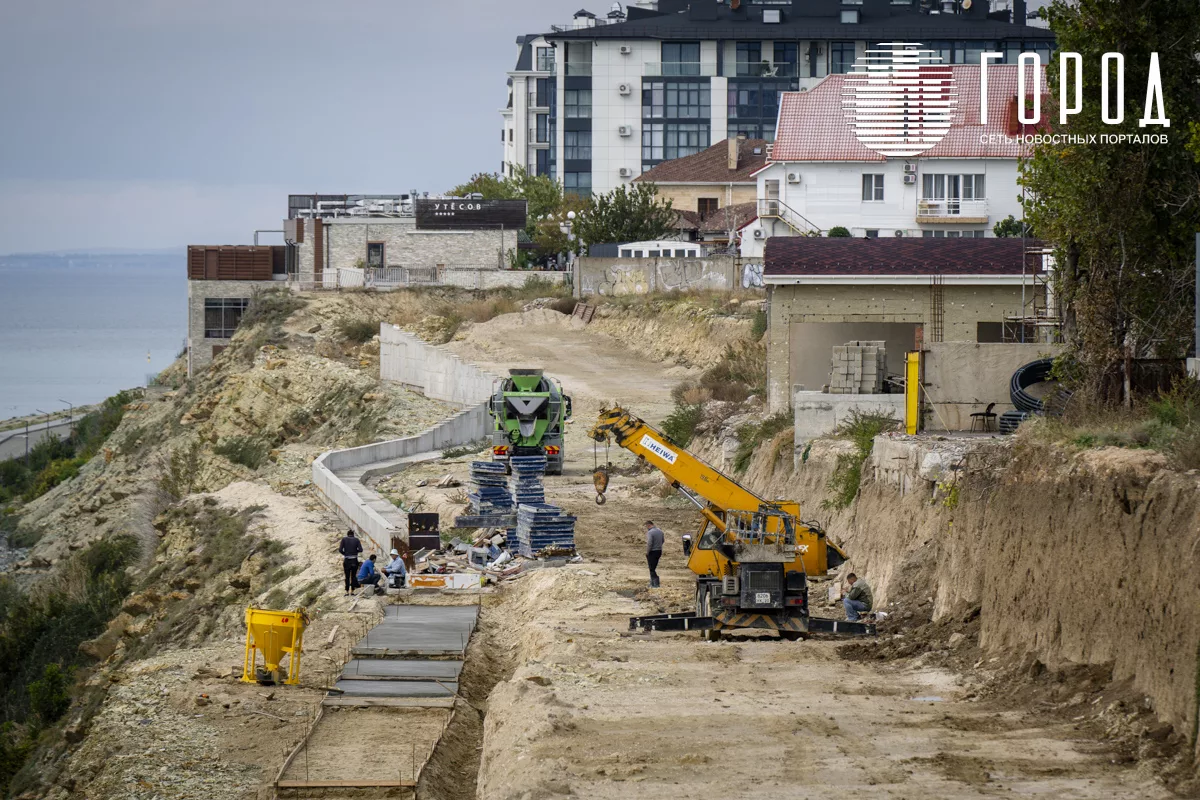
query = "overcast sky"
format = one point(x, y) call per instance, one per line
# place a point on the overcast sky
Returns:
point(160, 123)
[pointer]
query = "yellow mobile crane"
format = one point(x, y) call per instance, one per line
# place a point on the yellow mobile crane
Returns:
point(752, 557)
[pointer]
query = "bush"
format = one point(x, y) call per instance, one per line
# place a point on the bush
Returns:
point(50, 696)
point(357, 330)
point(847, 473)
point(680, 426)
point(249, 451)
point(838, 232)
point(751, 435)
point(468, 449)
point(56, 472)
point(759, 328)
point(740, 373)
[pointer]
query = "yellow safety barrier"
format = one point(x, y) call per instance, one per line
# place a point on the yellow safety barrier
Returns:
point(274, 634)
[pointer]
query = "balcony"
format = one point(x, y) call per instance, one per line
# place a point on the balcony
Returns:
point(581, 69)
point(952, 211)
point(539, 138)
point(761, 69)
point(538, 102)
point(676, 69)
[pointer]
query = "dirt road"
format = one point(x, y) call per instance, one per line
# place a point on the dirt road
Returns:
point(591, 711)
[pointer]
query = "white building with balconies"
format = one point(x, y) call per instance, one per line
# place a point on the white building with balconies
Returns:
point(819, 176)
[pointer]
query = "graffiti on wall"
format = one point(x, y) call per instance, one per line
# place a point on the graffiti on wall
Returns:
point(752, 276)
point(640, 276)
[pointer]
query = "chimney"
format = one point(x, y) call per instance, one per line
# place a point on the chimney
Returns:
point(735, 147)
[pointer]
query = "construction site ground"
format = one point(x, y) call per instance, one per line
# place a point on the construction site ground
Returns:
point(576, 705)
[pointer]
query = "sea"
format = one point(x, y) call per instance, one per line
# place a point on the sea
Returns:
point(77, 328)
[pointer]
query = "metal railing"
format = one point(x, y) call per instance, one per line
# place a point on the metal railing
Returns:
point(951, 207)
point(761, 69)
point(672, 69)
point(777, 209)
point(581, 69)
point(534, 137)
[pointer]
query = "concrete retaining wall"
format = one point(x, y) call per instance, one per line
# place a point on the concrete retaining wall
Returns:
point(339, 475)
point(623, 276)
point(964, 377)
point(818, 414)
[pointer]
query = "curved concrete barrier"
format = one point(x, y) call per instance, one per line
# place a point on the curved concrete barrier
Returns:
point(339, 475)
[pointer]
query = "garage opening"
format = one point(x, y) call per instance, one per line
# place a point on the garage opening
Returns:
point(811, 347)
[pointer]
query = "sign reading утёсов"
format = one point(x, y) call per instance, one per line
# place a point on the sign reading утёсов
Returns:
point(456, 212)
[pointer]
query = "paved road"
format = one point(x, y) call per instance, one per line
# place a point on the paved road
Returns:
point(12, 443)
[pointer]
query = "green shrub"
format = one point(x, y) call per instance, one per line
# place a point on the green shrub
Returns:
point(50, 695)
point(357, 330)
point(1179, 407)
point(838, 232)
point(759, 327)
point(680, 426)
point(468, 449)
point(271, 307)
point(741, 372)
point(752, 434)
point(249, 451)
point(181, 470)
point(56, 472)
point(847, 472)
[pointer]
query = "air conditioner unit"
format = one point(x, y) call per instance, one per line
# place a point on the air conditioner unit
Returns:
point(625, 88)
point(793, 177)
point(910, 180)
point(910, 169)
point(759, 233)
point(899, 234)
point(625, 172)
point(625, 49)
point(625, 130)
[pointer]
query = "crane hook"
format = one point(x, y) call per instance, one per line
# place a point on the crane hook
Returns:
point(600, 481)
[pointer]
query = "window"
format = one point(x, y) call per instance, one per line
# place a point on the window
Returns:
point(872, 188)
point(943, 234)
point(544, 92)
point(543, 128)
point(578, 103)
point(749, 58)
point(654, 254)
point(652, 142)
point(510, 134)
point(935, 186)
point(872, 233)
point(653, 96)
point(577, 145)
point(973, 187)
point(578, 183)
point(969, 52)
point(989, 332)
point(374, 254)
point(545, 59)
point(786, 59)
point(222, 315)
point(681, 58)
point(707, 205)
point(842, 54)
point(684, 140)
point(943, 50)
point(687, 100)
point(543, 162)
point(849, 16)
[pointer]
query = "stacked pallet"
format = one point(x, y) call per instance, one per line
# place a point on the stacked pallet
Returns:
point(526, 482)
point(544, 529)
point(858, 368)
point(489, 489)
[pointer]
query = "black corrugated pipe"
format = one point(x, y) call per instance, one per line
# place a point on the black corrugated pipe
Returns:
point(1026, 376)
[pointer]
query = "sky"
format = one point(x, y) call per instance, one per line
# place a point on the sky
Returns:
point(158, 123)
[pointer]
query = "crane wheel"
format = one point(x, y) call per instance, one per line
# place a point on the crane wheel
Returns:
point(600, 499)
point(792, 636)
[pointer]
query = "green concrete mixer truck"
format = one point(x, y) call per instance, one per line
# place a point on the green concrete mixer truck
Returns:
point(529, 414)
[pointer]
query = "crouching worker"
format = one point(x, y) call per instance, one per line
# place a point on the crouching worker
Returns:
point(367, 576)
point(858, 600)
point(395, 571)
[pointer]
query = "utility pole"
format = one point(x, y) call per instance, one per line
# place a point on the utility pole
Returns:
point(71, 413)
point(1194, 362)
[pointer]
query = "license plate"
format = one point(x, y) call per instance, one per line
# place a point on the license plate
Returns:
point(762, 597)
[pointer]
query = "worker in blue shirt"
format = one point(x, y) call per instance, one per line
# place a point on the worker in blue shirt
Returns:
point(367, 576)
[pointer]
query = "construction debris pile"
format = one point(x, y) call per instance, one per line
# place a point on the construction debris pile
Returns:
point(489, 492)
point(542, 529)
point(858, 368)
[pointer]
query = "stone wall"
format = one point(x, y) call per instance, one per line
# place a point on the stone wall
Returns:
point(818, 414)
point(685, 197)
point(200, 349)
point(624, 276)
point(434, 371)
point(964, 306)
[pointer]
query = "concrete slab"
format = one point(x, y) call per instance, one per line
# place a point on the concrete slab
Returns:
point(394, 669)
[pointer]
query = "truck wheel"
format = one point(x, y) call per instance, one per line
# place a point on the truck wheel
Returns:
point(792, 636)
point(704, 609)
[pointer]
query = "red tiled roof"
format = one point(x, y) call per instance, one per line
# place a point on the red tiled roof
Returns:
point(803, 255)
point(711, 165)
point(812, 124)
point(736, 216)
point(686, 220)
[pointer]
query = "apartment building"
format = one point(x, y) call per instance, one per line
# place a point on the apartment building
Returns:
point(664, 79)
point(818, 175)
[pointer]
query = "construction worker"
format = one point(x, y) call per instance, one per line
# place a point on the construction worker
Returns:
point(858, 600)
point(367, 576)
point(350, 548)
point(654, 546)
point(396, 569)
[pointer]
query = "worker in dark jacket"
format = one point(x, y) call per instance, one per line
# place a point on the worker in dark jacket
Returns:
point(858, 600)
point(654, 546)
point(350, 548)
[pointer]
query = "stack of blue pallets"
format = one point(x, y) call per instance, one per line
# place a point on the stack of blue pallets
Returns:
point(541, 526)
point(526, 482)
point(490, 488)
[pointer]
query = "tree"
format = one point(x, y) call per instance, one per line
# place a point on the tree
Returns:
point(626, 214)
point(1121, 217)
point(838, 232)
point(1012, 228)
point(544, 199)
